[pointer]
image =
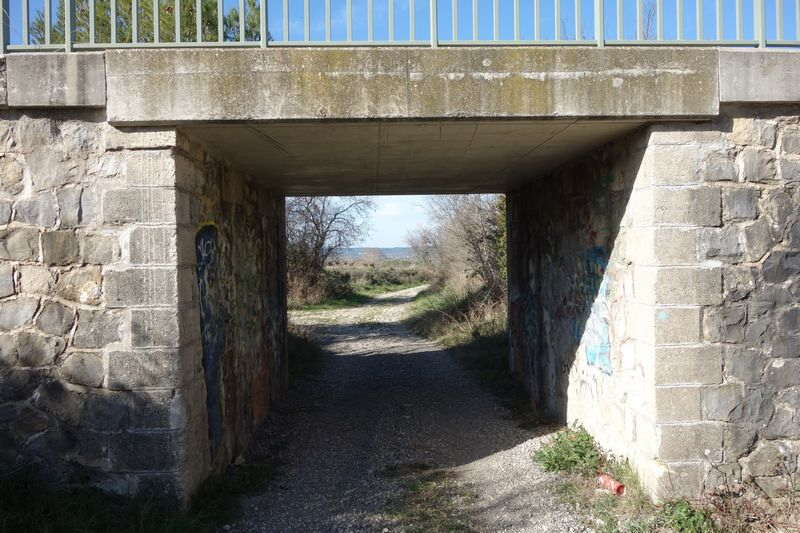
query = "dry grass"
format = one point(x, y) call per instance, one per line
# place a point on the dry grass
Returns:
point(743, 509)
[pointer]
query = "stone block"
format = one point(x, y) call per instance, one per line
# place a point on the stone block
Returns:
point(721, 243)
point(34, 279)
point(18, 312)
point(716, 166)
point(782, 373)
point(681, 480)
point(758, 165)
point(743, 364)
point(153, 245)
point(55, 319)
point(5, 212)
point(768, 459)
point(785, 424)
point(740, 204)
point(676, 325)
point(83, 368)
point(742, 75)
point(738, 282)
point(27, 349)
point(69, 205)
point(6, 281)
point(748, 131)
point(143, 452)
point(673, 165)
point(140, 287)
point(155, 328)
point(157, 410)
point(121, 206)
point(138, 369)
point(679, 365)
point(790, 170)
point(18, 384)
point(106, 411)
point(697, 206)
point(140, 138)
point(720, 402)
point(780, 266)
point(96, 329)
point(151, 168)
point(678, 404)
point(60, 248)
point(663, 246)
point(38, 211)
point(758, 240)
point(11, 172)
point(81, 285)
point(50, 167)
point(19, 244)
point(699, 441)
point(99, 249)
point(725, 323)
point(678, 285)
point(790, 142)
point(56, 80)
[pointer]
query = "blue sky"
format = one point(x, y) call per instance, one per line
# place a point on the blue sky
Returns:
point(393, 218)
point(506, 8)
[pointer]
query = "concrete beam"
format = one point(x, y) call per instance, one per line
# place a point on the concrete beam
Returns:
point(186, 86)
point(56, 80)
point(759, 75)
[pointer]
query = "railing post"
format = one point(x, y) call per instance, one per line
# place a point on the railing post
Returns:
point(262, 23)
point(434, 24)
point(4, 26)
point(599, 22)
point(68, 18)
point(761, 30)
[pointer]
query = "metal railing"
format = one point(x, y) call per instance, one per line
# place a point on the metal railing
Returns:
point(27, 25)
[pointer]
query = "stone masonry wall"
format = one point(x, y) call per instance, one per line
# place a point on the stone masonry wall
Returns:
point(696, 381)
point(231, 253)
point(102, 371)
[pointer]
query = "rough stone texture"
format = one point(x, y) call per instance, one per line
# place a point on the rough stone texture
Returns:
point(61, 80)
point(679, 351)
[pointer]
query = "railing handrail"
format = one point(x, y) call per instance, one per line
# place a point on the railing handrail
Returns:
point(141, 23)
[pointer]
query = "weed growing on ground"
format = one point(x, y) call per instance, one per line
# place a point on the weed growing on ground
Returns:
point(573, 452)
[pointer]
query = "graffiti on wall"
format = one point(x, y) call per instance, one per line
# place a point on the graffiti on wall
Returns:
point(212, 326)
point(596, 336)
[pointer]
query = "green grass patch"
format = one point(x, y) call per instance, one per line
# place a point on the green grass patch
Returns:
point(358, 296)
point(33, 507)
point(573, 452)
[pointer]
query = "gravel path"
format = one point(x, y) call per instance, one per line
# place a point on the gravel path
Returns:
point(388, 401)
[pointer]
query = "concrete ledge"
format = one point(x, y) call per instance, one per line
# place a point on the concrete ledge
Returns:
point(56, 80)
point(185, 86)
point(759, 75)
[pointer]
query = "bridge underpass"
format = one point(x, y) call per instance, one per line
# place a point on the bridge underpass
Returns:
point(652, 245)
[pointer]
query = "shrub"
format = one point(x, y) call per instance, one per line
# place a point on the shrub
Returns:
point(571, 450)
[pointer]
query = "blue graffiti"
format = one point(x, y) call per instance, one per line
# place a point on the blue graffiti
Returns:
point(596, 333)
point(212, 325)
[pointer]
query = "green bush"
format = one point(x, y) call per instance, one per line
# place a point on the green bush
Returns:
point(684, 518)
point(571, 450)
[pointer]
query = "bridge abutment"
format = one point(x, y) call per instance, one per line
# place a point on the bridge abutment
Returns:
point(652, 299)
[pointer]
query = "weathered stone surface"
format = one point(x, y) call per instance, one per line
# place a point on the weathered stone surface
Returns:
point(16, 313)
point(753, 131)
point(154, 245)
point(29, 422)
point(142, 452)
point(758, 240)
point(721, 401)
point(766, 460)
point(783, 373)
point(738, 282)
point(758, 166)
point(790, 142)
point(27, 349)
point(725, 324)
point(69, 205)
point(742, 74)
point(55, 319)
point(744, 365)
point(5, 211)
point(17, 384)
point(11, 174)
point(81, 285)
point(690, 442)
point(83, 368)
point(139, 205)
point(154, 327)
point(38, 211)
point(140, 287)
point(60, 247)
point(789, 170)
point(35, 279)
point(141, 369)
point(157, 410)
point(6, 281)
point(722, 243)
point(740, 204)
point(20, 244)
point(56, 79)
point(98, 249)
point(96, 329)
point(718, 166)
point(49, 167)
point(780, 266)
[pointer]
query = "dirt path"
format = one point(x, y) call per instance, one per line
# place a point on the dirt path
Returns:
point(394, 436)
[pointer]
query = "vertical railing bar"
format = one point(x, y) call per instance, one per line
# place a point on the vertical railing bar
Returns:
point(516, 20)
point(577, 20)
point(537, 22)
point(328, 20)
point(242, 30)
point(495, 19)
point(659, 20)
point(370, 35)
point(47, 21)
point(198, 21)
point(262, 23)
point(679, 16)
point(698, 19)
point(25, 22)
point(286, 20)
point(220, 21)
point(412, 22)
point(156, 19)
point(177, 21)
point(761, 21)
point(434, 23)
point(797, 20)
point(600, 23)
point(719, 20)
point(620, 21)
point(135, 21)
point(739, 21)
point(475, 18)
point(350, 20)
point(306, 20)
point(454, 18)
point(639, 22)
point(778, 19)
point(113, 22)
point(556, 17)
point(391, 19)
point(69, 16)
point(5, 26)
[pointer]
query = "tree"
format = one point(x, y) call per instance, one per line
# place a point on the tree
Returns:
point(318, 226)
point(145, 33)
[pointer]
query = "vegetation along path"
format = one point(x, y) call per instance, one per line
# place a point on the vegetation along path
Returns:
point(393, 435)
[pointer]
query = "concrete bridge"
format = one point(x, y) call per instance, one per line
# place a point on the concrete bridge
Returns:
point(654, 244)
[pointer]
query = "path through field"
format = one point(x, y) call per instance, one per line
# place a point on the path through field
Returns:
point(392, 435)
